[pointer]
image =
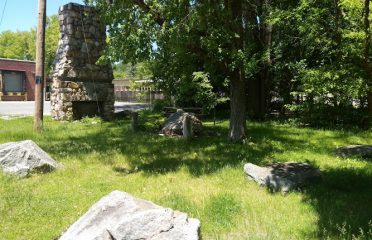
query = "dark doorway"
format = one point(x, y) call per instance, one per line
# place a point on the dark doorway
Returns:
point(86, 109)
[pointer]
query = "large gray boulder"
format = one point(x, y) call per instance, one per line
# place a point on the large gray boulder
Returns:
point(174, 124)
point(121, 216)
point(364, 151)
point(283, 176)
point(21, 158)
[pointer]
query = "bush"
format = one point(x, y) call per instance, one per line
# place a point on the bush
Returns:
point(159, 104)
point(323, 115)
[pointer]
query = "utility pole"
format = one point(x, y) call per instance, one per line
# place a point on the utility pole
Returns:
point(39, 70)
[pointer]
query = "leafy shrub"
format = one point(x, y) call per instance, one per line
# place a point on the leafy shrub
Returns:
point(159, 104)
point(324, 115)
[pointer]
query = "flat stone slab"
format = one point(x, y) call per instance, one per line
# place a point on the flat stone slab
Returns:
point(121, 216)
point(283, 176)
point(21, 158)
point(365, 151)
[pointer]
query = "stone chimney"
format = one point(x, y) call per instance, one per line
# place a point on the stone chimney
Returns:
point(81, 87)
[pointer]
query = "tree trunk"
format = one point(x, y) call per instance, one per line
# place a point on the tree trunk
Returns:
point(266, 71)
point(337, 29)
point(256, 96)
point(238, 107)
point(260, 87)
point(369, 101)
point(367, 63)
point(237, 76)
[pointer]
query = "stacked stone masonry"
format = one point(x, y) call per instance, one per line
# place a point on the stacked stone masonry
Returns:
point(76, 76)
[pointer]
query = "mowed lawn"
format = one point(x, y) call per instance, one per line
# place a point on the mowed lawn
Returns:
point(203, 177)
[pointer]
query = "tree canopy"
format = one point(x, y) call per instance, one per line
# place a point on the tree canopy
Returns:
point(22, 44)
point(16, 45)
point(305, 55)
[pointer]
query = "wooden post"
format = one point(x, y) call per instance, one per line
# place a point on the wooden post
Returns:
point(214, 116)
point(134, 122)
point(187, 126)
point(39, 70)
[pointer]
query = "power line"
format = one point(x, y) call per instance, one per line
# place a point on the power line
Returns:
point(2, 15)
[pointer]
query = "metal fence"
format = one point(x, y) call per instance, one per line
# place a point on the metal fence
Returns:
point(138, 96)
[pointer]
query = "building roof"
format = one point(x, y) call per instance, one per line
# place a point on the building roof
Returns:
point(16, 60)
point(127, 82)
point(145, 81)
point(121, 82)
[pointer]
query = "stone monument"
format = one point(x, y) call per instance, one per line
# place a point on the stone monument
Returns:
point(81, 87)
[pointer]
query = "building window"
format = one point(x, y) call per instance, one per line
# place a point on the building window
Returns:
point(13, 81)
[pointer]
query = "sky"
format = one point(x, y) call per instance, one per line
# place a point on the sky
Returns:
point(22, 14)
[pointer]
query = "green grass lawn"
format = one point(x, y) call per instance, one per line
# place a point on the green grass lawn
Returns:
point(202, 177)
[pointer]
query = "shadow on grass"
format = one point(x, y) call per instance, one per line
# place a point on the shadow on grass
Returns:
point(154, 154)
point(343, 202)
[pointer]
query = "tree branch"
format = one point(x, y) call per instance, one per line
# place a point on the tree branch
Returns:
point(146, 8)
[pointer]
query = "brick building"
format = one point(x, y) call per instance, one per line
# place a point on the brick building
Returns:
point(17, 80)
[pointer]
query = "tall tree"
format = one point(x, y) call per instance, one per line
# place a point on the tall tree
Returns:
point(261, 40)
point(236, 73)
point(246, 49)
point(21, 44)
point(51, 41)
point(15, 45)
point(183, 37)
point(367, 49)
point(319, 56)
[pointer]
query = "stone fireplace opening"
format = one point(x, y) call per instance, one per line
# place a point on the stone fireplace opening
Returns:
point(78, 81)
point(86, 109)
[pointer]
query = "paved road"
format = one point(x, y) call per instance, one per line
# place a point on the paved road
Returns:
point(27, 108)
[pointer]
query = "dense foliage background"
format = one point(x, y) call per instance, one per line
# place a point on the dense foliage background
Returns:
point(22, 44)
point(304, 59)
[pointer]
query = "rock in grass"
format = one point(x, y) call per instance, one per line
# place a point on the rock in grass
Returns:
point(365, 151)
point(21, 158)
point(121, 216)
point(174, 124)
point(283, 176)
